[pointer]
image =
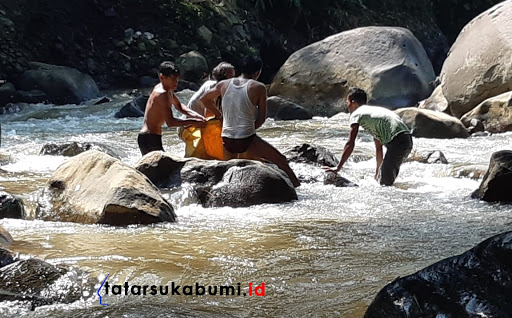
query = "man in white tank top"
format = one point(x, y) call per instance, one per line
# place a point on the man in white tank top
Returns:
point(244, 109)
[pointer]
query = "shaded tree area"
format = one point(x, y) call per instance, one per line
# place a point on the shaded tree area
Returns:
point(118, 41)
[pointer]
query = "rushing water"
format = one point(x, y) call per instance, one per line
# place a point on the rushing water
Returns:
point(325, 255)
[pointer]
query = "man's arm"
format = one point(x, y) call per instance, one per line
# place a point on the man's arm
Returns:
point(166, 111)
point(347, 150)
point(209, 97)
point(182, 108)
point(378, 154)
point(262, 106)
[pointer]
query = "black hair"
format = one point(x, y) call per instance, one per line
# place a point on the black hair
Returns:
point(357, 95)
point(251, 64)
point(169, 69)
point(219, 71)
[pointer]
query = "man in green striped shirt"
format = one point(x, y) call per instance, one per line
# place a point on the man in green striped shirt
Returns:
point(387, 129)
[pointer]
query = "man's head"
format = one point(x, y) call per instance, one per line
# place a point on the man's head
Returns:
point(251, 66)
point(355, 98)
point(169, 74)
point(223, 71)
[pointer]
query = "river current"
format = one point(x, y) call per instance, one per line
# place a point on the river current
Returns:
point(325, 255)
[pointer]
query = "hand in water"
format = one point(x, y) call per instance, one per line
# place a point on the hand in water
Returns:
point(330, 169)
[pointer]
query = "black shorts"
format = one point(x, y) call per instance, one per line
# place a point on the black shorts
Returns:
point(397, 150)
point(149, 142)
point(237, 145)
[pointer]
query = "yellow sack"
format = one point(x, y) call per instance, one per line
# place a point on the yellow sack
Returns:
point(204, 143)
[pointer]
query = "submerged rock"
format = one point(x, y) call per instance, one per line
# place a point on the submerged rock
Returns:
point(233, 183)
point(11, 206)
point(38, 283)
point(307, 153)
point(70, 149)
point(473, 284)
point(95, 188)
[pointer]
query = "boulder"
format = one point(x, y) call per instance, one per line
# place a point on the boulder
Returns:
point(496, 184)
point(436, 101)
point(6, 257)
point(70, 149)
point(93, 187)
point(307, 153)
point(479, 62)
point(431, 124)
point(30, 97)
point(39, 283)
point(193, 66)
point(232, 183)
point(7, 93)
point(389, 63)
point(494, 113)
point(469, 171)
point(62, 85)
point(11, 206)
point(337, 180)
point(135, 108)
point(282, 109)
point(431, 156)
point(5, 238)
point(473, 284)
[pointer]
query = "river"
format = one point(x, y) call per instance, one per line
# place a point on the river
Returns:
point(325, 255)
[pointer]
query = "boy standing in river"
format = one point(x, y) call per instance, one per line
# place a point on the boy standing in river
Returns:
point(386, 127)
point(159, 110)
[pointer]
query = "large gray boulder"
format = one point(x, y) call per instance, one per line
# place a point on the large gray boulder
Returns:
point(497, 183)
point(494, 113)
point(282, 109)
point(480, 61)
point(193, 66)
point(232, 183)
point(431, 124)
point(473, 284)
point(436, 101)
point(94, 187)
point(389, 63)
point(62, 85)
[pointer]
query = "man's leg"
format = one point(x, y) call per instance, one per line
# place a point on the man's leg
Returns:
point(397, 150)
point(262, 149)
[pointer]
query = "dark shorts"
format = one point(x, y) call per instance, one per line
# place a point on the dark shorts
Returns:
point(397, 150)
point(237, 145)
point(149, 142)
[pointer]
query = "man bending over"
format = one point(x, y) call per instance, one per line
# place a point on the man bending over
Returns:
point(386, 127)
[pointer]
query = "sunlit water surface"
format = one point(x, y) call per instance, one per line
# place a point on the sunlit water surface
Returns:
point(325, 255)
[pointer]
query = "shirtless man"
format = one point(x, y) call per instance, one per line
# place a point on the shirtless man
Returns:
point(159, 110)
point(244, 109)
